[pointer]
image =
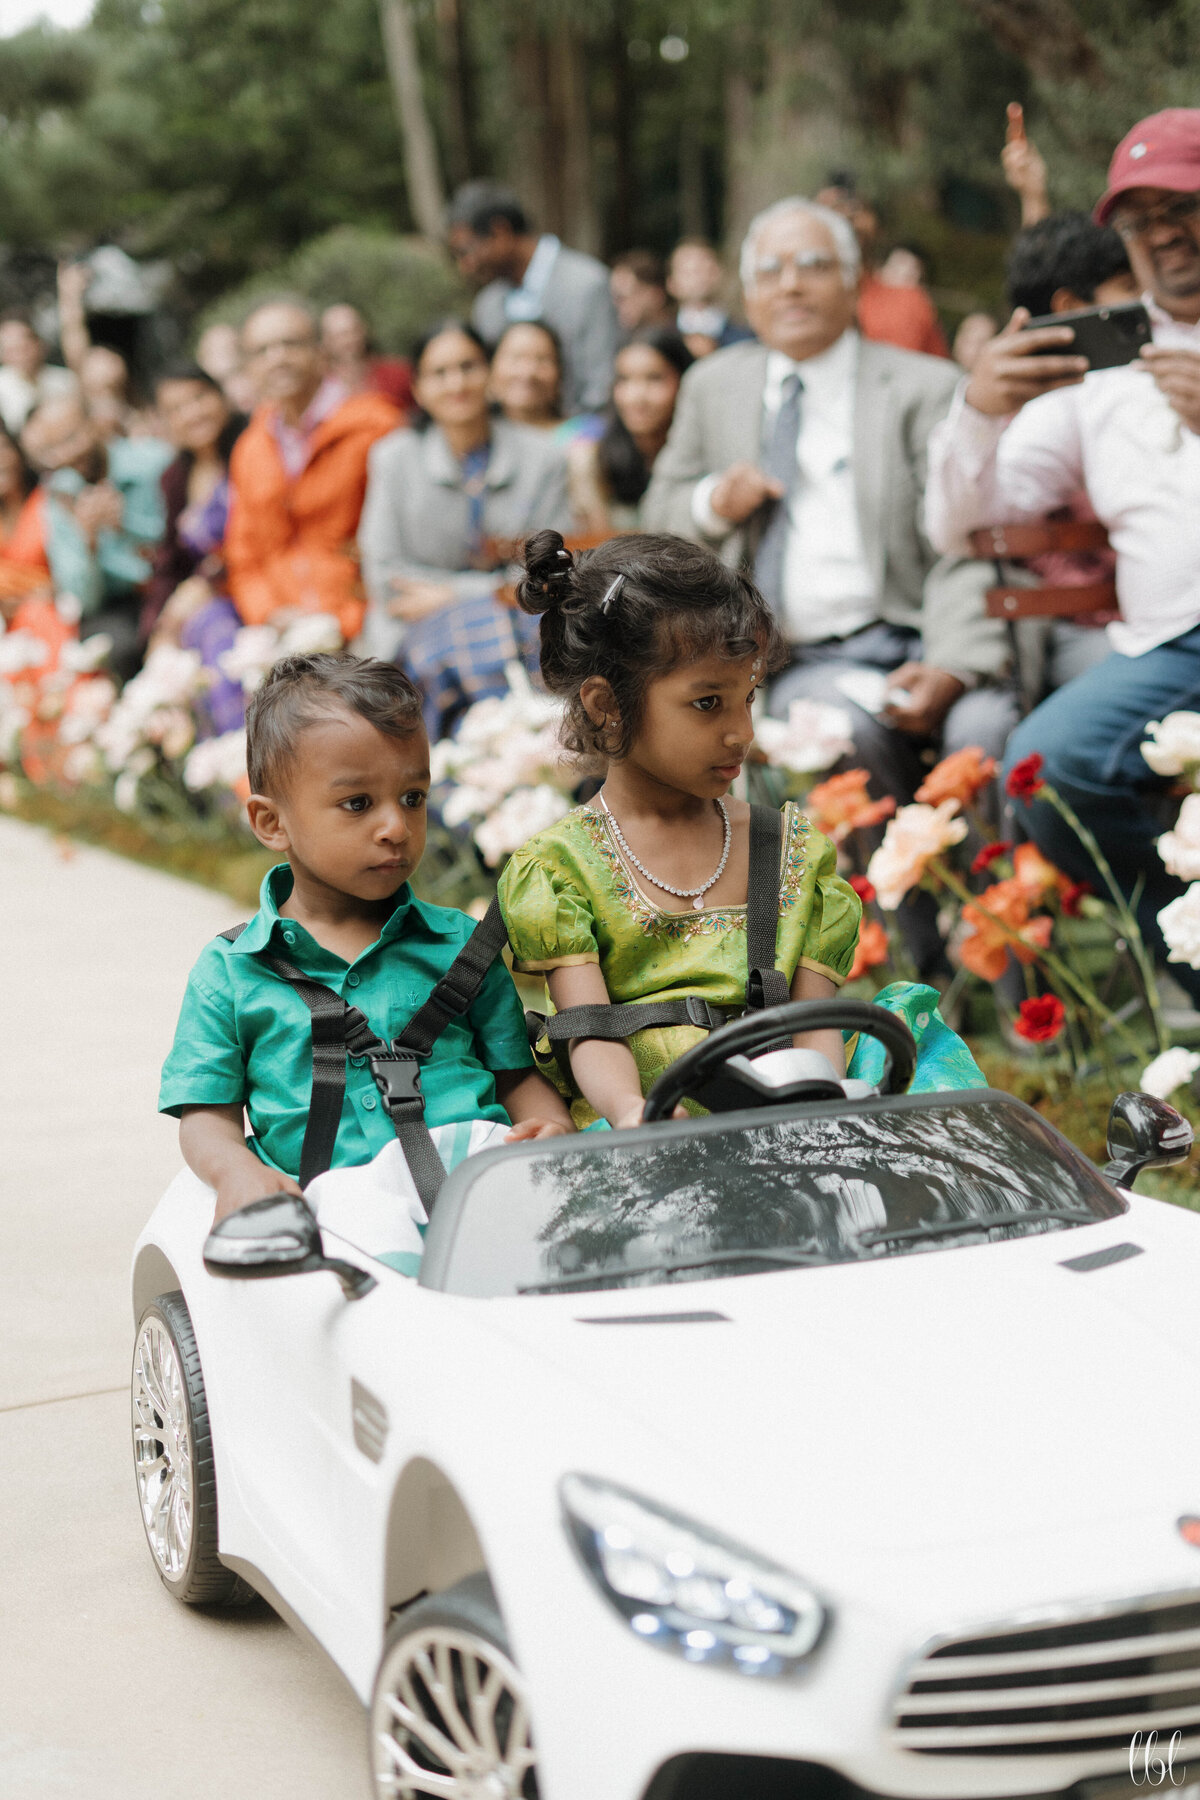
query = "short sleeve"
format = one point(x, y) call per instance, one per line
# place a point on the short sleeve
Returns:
point(498, 1022)
point(206, 1066)
point(549, 919)
point(832, 933)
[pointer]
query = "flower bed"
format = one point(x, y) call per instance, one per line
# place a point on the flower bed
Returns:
point(134, 771)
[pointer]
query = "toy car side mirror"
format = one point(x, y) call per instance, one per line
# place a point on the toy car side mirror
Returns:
point(277, 1236)
point(1144, 1133)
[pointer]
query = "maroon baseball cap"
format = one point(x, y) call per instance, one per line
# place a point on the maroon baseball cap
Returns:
point(1162, 152)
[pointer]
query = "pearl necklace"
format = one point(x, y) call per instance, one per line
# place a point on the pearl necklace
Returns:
point(695, 895)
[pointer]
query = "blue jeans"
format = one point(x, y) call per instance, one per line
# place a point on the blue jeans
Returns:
point(1090, 734)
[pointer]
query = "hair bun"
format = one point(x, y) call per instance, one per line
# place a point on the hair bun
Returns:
point(549, 569)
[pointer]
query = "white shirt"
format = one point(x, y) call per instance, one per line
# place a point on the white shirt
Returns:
point(525, 302)
point(1116, 438)
point(18, 397)
point(827, 587)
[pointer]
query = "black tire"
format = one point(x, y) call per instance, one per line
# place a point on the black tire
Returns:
point(186, 1552)
point(466, 1620)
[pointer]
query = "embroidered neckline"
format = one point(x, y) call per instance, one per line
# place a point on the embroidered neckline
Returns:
point(710, 919)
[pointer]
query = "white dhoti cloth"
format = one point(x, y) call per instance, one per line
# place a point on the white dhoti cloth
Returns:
point(375, 1205)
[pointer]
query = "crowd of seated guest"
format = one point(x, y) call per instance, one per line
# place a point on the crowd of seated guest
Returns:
point(790, 418)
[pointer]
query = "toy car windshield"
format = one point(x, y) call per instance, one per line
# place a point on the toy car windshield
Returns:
point(721, 1196)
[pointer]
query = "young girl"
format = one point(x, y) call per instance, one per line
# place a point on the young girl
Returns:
point(657, 649)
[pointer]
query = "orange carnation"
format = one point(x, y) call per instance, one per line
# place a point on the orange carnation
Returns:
point(1037, 877)
point(872, 949)
point(842, 805)
point(984, 951)
point(959, 777)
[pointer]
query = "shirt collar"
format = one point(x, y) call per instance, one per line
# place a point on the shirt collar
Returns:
point(267, 922)
point(525, 301)
point(829, 373)
point(1168, 330)
point(295, 441)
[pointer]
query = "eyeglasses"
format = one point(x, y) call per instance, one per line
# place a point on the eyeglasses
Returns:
point(1179, 211)
point(769, 270)
point(255, 351)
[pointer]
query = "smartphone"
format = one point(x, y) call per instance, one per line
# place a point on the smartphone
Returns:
point(1107, 335)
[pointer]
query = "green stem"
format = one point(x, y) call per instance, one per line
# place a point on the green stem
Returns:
point(1053, 964)
point(1128, 919)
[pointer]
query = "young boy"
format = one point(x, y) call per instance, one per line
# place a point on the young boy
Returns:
point(338, 762)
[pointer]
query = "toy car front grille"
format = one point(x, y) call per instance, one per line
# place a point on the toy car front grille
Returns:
point(1068, 1687)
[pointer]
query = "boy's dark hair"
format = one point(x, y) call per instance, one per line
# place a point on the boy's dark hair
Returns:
point(480, 204)
point(1067, 250)
point(625, 470)
point(303, 690)
point(676, 602)
point(646, 266)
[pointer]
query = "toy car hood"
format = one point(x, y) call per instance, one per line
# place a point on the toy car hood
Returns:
point(964, 1361)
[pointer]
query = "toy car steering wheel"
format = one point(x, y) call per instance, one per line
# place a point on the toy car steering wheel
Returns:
point(709, 1075)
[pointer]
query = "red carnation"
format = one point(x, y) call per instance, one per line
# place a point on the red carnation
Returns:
point(1025, 778)
point(1071, 896)
point(862, 888)
point(988, 855)
point(1039, 1020)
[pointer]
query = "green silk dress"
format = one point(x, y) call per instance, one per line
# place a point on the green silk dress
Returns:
point(568, 897)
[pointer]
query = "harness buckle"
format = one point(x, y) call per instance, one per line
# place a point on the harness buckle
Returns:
point(703, 1014)
point(397, 1075)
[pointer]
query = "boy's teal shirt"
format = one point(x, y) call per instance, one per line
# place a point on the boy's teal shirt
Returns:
point(245, 1035)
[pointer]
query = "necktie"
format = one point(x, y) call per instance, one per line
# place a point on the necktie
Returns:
point(779, 461)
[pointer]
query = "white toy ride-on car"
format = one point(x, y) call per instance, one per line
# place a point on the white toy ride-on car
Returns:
point(821, 1445)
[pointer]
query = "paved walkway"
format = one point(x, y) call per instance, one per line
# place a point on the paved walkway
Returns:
point(108, 1687)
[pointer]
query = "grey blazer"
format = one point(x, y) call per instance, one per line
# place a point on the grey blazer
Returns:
point(900, 398)
point(576, 303)
point(415, 518)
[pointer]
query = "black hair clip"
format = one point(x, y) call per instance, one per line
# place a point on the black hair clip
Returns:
point(614, 589)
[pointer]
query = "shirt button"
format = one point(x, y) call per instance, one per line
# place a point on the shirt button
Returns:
point(368, 1103)
point(289, 937)
point(356, 1062)
point(353, 980)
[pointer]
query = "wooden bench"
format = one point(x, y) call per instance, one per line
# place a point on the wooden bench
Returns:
point(1020, 543)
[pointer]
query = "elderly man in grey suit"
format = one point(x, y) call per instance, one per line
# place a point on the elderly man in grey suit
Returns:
point(523, 276)
point(803, 456)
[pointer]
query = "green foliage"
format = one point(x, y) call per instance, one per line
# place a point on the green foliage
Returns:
point(399, 284)
point(226, 134)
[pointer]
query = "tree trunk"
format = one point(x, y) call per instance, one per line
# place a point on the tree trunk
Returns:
point(786, 129)
point(619, 235)
point(421, 173)
point(458, 84)
point(572, 152)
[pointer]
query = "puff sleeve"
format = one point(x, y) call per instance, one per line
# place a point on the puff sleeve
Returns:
point(549, 917)
point(831, 936)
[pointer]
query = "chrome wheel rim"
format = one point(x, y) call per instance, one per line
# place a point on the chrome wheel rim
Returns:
point(162, 1448)
point(450, 1719)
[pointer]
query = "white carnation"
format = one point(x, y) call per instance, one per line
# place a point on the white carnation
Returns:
point(1173, 746)
point(125, 791)
point(1168, 1072)
point(310, 635)
point(253, 650)
point(813, 737)
point(216, 762)
point(21, 650)
point(80, 657)
point(1180, 925)
point(517, 818)
point(1180, 849)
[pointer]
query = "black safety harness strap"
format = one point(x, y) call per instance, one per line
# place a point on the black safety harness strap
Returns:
point(339, 1030)
point(765, 984)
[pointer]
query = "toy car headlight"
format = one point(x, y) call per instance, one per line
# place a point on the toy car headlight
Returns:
point(687, 1589)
